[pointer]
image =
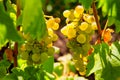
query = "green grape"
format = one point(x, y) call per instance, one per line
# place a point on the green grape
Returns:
point(76, 56)
point(51, 51)
point(90, 11)
point(79, 65)
point(48, 40)
point(44, 56)
point(81, 38)
point(83, 26)
point(86, 48)
point(66, 13)
point(36, 50)
point(24, 55)
point(36, 57)
point(54, 37)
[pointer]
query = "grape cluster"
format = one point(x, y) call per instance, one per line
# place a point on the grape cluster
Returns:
point(35, 51)
point(79, 27)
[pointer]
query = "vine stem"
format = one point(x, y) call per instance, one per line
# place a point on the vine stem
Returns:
point(97, 21)
point(15, 51)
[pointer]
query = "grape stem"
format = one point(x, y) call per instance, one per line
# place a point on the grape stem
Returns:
point(97, 21)
point(105, 28)
point(15, 51)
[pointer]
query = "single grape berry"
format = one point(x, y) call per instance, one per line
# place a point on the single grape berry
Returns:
point(83, 26)
point(81, 38)
point(66, 13)
point(36, 57)
point(79, 9)
point(44, 56)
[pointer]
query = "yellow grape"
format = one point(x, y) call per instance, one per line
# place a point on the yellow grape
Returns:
point(36, 57)
point(54, 37)
point(85, 16)
point(57, 20)
point(81, 38)
point(90, 19)
point(64, 30)
point(71, 33)
point(83, 26)
point(82, 73)
point(55, 26)
point(76, 14)
point(66, 13)
point(79, 9)
point(94, 26)
point(50, 31)
point(50, 22)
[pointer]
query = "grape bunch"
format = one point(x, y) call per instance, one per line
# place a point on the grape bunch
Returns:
point(36, 52)
point(80, 26)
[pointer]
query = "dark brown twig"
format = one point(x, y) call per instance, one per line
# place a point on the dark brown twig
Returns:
point(97, 21)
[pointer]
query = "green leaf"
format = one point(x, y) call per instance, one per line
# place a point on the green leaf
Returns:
point(7, 28)
point(111, 8)
point(108, 73)
point(86, 3)
point(117, 26)
point(48, 65)
point(97, 60)
point(107, 66)
point(33, 19)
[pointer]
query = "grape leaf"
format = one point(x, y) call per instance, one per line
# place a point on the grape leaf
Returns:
point(97, 60)
point(111, 8)
point(48, 65)
point(86, 3)
point(110, 69)
point(7, 28)
point(33, 19)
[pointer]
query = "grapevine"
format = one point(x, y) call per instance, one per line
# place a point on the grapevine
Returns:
point(79, 29)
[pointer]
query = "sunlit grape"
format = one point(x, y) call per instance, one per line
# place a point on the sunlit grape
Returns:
point(79, 9)
point(50, 23)
point(71, 33)
point(94, 26)
point(55, 26)
point(66, 13)
point(83, 26)
point(57, 20)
